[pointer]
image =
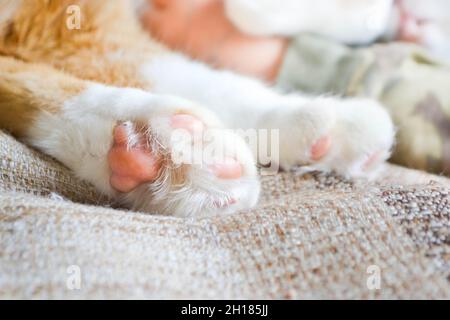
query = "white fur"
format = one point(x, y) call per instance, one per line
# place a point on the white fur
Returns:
point(347, 21)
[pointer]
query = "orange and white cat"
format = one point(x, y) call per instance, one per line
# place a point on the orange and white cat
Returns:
point(105, 99)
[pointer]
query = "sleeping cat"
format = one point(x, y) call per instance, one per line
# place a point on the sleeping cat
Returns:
point(82, 82)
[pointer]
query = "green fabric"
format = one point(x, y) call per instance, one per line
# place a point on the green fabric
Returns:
point(413, 86)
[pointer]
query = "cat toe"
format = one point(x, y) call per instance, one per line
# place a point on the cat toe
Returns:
point(320, 148)
point(373, 160)
point(131, 160)
point(227, 169)
point(187, 122)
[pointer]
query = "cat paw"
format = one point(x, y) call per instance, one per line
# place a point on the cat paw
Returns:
point(351, 137)
point(176, 164)
point(131, 160)
point(151, 153)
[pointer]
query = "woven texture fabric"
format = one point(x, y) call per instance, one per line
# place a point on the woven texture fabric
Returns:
point(25, 170)
point(314, 236)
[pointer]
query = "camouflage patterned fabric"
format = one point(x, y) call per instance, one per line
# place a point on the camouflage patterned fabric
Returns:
point(413, 86)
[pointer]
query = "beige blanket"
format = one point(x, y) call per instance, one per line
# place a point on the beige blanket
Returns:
point(316, 236)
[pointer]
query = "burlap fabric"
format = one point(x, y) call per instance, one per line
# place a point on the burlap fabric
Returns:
point(407, 80)
point(315, 236)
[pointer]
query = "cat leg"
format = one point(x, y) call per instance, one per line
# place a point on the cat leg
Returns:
point(154, 153)
point(350, 136)
point(351, 22)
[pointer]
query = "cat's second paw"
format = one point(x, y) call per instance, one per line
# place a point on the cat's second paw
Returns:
point(352, 137)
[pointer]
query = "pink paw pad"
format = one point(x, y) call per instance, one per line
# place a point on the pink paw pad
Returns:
point(187, 122)
point(130, 166)
point(320, 148)
point(372, 160)
point(227, 169)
